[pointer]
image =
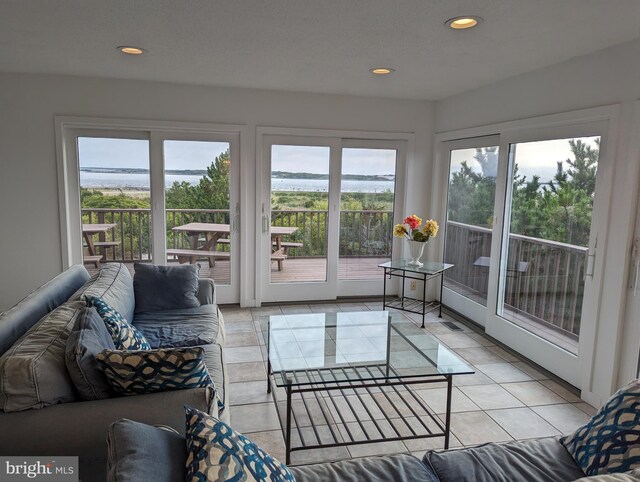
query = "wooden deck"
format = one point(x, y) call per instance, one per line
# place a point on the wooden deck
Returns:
point(295, 270)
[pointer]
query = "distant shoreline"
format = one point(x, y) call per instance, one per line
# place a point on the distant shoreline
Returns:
point(274, 174)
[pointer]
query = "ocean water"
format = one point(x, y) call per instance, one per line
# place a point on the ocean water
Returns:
point(95, 180)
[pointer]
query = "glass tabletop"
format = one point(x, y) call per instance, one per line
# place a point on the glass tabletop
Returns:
point(428, 267)
point(353, 346)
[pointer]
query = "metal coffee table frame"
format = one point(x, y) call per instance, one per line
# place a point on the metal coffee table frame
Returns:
point(332, 388)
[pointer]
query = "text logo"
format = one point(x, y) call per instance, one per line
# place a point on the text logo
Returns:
point(51, 469)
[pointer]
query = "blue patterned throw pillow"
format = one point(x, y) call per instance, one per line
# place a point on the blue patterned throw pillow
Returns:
point(150, 371)
point(125, 336)
point(610, 441)
point(216, 452)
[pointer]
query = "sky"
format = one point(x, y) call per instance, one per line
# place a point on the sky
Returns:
point(533, 158)
point(97, 152)
point(134, 153)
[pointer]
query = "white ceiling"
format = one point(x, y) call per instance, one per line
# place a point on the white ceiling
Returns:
point(309, 45)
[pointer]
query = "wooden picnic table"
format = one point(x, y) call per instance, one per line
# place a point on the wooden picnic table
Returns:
point(88, 231)
point(214, 232)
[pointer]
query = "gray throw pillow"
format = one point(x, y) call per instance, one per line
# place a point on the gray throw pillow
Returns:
point(141, 452)
point(160, 288)
point(88, 338)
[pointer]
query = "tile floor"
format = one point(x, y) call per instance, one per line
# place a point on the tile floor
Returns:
point(505, 399)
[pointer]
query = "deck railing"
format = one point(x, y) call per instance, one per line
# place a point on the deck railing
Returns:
point(362, 233)
point(543, 278)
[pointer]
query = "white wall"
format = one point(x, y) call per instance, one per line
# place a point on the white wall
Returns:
point(611, 76)
point(30, 243)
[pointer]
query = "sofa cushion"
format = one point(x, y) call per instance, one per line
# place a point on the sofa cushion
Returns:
point(542, 460)
point(610, 441)
point(159, 288)
point(113, 283)
point(125, 336)
point(150, 371)
point(217, 452)
point(33, 373)
point(16, 321)
point(214, 359)
point(88, 338)
point(396, 468)
point(633, 476)
point(137, 451)
point(188, 327)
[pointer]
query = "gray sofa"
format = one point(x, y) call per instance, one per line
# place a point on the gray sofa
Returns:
point(138, 450)
point(79, 428)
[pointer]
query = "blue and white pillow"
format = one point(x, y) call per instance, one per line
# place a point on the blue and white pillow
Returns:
point(151, 371)
point(610, 441)
point(125, 336)
point(216, 452)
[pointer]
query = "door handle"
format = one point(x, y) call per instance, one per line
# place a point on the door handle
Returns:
point(265, 224)
point(591, 261)
point(635, 265)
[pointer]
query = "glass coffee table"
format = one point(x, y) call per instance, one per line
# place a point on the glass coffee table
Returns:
point(351, 378)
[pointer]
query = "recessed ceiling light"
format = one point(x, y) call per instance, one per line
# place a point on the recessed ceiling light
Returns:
point(130, 50)
point(463, 22)
point(382, 70)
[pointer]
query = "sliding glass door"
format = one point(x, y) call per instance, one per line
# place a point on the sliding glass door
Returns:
point(202, 210)
point(522, 219)
point(157, 197)
point(326, 216)
point(473, 170)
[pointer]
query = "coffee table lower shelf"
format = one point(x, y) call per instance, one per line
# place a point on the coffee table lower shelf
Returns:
point(325, 415)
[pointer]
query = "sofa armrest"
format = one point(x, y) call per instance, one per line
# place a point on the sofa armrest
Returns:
point(80, 428)
point(206, 291)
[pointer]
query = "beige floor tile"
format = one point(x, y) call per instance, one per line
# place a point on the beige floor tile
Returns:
point(522, 423)
point(565, 417)
point(491, 397)
point(480, 338)
point(240, 339)
point(352, 307)
point(458, 340)
point(479, 355)
point(533, 393)
point(477, 378)
point(436, 398)
point(241, 354)
point(239, 327)
point(256, 313)
point(324, 308)
point(271, 442)
point(510, 357)
point(438, 328)
point(472, 428)
point(434, 443)
point(245, 372)
point(503, 372)
point(257, 417)
point(318, 456)
point(318, 410)
point(564, 392)
point(236, 315)
point(249, 392)
point(378, 448)
point(295, 309)
point(529, 370)
point(586, 408)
